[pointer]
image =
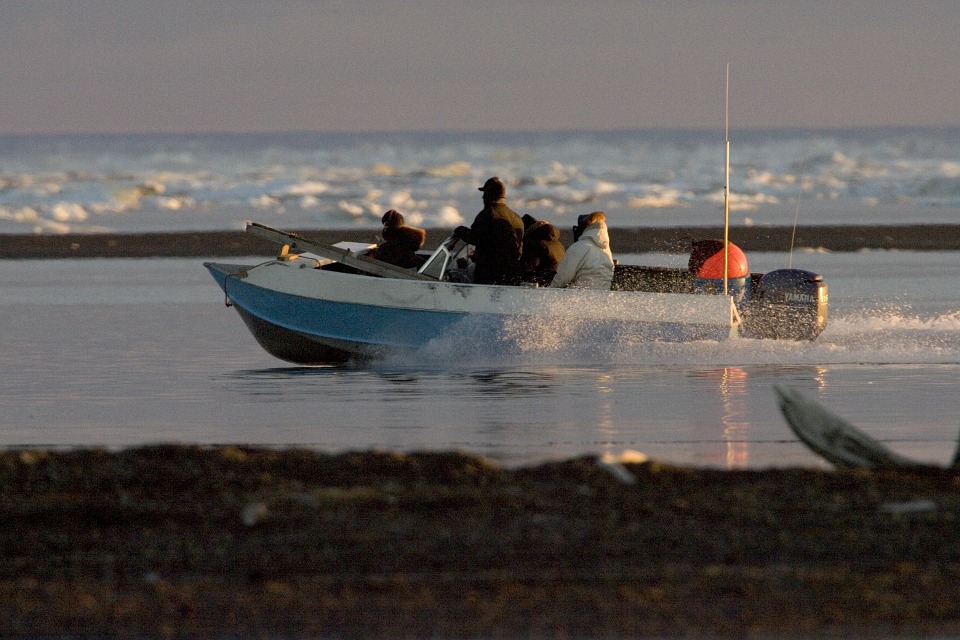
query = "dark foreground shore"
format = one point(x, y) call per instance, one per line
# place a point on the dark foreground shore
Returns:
point(929, 237)
point(196, 542)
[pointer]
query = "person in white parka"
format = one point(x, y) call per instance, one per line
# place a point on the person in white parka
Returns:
point(588, 263)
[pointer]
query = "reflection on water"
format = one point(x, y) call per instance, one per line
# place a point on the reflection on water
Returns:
point(718, 416)
point(733, 390)
point(606, 427)
point(348, 380)
point(735, 417)
point(510, 383)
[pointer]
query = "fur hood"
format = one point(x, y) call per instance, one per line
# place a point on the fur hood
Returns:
point(597, 234)
point(403, 236)
point(588, 263)
point(542, 231)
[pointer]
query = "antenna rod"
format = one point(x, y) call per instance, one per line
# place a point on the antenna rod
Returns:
point(726, 188)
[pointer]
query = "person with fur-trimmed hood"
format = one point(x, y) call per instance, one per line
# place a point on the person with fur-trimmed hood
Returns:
point(588, 263)
point(497, 235)
point(400, 242)
point(542, 251)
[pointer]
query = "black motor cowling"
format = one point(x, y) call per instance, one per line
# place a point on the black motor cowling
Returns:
point(787, 304)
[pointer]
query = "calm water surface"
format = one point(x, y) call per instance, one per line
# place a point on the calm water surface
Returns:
point(128, 352)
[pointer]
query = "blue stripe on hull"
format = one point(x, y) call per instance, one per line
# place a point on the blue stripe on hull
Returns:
point(362, 325)
point(292, 346)
point(308, 330)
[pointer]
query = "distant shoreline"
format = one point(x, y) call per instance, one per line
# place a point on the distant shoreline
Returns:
point(185, 244)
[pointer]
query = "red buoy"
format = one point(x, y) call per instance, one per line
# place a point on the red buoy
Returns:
point(706, 260)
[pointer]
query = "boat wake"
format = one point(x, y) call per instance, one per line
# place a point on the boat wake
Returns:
point(890, 336)
point(894, 336)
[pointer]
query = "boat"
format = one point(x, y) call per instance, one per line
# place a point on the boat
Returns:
point(317, 304)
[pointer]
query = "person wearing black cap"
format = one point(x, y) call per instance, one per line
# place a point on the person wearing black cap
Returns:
point(497, 235)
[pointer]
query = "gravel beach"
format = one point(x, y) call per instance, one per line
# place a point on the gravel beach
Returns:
point(926, 237)
point(181, 541)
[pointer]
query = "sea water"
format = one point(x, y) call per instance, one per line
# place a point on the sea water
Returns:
point(128, 183)
point(128, 352)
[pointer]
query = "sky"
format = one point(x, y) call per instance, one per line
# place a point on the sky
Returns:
point(120, 66)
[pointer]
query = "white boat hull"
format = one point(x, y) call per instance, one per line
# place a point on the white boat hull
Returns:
point(333, 315)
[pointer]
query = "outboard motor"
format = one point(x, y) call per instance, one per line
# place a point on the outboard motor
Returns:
point(706, 267)
point(787, 304)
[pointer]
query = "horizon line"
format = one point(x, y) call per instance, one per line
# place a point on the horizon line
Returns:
point(483, 132)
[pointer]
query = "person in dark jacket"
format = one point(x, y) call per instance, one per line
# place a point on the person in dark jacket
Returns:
point(400, 242)
point(497, 235)
point(542, 251)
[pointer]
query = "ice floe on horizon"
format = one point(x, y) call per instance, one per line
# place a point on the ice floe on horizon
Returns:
point(638, 178)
